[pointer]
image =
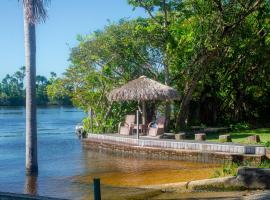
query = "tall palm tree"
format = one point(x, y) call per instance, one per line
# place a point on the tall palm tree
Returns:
point(34, 12)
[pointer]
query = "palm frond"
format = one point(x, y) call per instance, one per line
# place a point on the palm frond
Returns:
point(35, 10)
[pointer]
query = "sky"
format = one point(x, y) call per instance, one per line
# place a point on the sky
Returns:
point(58, 34)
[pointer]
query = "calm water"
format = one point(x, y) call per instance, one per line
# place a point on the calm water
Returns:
point(66, 169)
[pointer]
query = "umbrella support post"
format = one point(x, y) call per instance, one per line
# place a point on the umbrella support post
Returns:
point(143, 116)
point(138, 134)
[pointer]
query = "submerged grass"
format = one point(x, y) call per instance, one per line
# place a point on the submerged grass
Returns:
point(230, 169)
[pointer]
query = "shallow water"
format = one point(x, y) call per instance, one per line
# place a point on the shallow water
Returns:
point(66, 169)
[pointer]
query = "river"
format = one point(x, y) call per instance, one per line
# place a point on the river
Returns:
point(66, 169)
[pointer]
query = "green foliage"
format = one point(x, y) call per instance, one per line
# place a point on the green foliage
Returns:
point(216, 53)
point(265, 164)
point(229, 169)
point(267, 143)
point(56, 93)
point(12, 89)
point(241, 135)
point(102, 61)
point(239, 126)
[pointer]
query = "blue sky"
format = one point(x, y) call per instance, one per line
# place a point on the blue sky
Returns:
point(58, 34)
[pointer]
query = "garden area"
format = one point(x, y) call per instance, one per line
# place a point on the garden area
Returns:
point(241, 136)
point(218, 64)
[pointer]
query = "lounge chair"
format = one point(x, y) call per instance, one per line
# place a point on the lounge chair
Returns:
point(159, 129)
point(126, 128)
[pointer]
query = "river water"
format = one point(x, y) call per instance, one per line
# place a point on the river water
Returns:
point(66, 169)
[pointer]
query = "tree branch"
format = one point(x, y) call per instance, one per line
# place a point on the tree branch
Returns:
point(149, 12)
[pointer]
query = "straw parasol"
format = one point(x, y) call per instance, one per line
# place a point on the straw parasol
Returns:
point(143, 89)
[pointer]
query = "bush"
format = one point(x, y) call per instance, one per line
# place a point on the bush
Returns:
point(267, 144)
point(239, 126)
point(229, 169)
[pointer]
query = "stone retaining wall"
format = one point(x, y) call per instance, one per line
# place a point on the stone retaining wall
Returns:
point(125, 149)
point(254, 178)
point(184, 145)
point(268, 153)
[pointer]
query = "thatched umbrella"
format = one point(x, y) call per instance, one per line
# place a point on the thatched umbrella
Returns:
point(143, 89)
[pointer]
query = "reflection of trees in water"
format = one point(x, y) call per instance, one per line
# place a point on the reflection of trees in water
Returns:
point(30, 186)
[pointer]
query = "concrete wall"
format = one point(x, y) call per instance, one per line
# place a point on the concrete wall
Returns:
point(185, 145)
point(125, 149)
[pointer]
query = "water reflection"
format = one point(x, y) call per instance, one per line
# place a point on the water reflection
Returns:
point(30, 186)
point(66, 170)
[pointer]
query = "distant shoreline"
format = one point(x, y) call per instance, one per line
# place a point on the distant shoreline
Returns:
point(38, 106)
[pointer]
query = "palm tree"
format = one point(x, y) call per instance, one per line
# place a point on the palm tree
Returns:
point(34, 12)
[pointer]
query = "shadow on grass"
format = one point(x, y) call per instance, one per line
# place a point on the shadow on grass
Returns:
point(255, 131)
point(215, 136)
point(241, 135)
point(238, 136)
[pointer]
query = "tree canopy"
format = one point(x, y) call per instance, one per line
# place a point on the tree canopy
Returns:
point(215, 53)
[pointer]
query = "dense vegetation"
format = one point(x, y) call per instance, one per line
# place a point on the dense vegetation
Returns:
point(216, 53)
point(12, 90)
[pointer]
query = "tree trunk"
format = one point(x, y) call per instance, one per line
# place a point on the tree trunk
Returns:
point(201, 63)
point(30, 185)
point(184, 108)
point(31, 121)
point(166, 66)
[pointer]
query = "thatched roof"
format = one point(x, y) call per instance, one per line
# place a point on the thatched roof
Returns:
point(142, 89)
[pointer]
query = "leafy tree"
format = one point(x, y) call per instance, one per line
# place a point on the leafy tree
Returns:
point(102, 61)
point(216, 53)
point(162, 15)
point(12, 89)
point(41, 89)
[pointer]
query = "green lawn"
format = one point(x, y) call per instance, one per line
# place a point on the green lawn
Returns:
point(241, 136)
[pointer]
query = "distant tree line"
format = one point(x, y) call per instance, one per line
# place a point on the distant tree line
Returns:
point(12, 90)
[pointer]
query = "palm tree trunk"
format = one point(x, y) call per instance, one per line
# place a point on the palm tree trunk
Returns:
point(168, 104)
point(31, 121)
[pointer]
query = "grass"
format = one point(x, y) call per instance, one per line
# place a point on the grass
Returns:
point(226, 170)
point(230, 169)
point(240, 136)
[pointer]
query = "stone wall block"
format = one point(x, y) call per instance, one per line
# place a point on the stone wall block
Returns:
point(200, 136)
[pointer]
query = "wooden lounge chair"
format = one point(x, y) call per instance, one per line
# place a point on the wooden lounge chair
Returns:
point(126, 128)
point(159, 129)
